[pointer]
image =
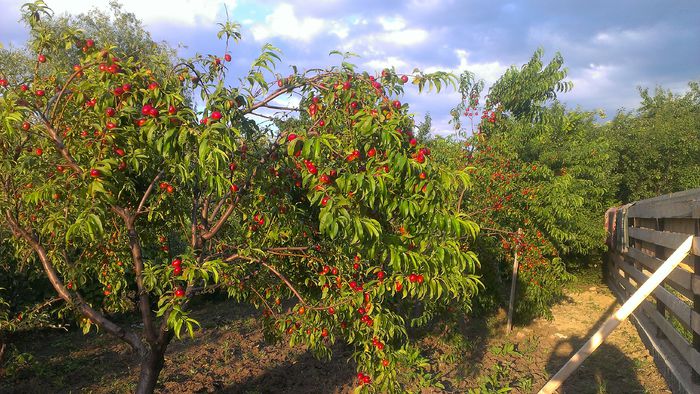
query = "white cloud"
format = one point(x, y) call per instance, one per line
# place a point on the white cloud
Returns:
point(339, 29)
point(392, 23)
point(405, 37)
point(375, 44)
point(283, 22)
point(378, 64)
point(187, 12)
point(489, 72)
point(636, 37)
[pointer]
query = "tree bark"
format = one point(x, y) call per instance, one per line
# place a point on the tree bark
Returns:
point(151, 365)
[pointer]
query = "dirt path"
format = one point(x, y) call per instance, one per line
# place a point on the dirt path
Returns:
point(233, 358)
point(525, 359)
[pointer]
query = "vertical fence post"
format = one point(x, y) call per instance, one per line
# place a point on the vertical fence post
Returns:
point(513, 286)
point(696, 299)
point(659, 252)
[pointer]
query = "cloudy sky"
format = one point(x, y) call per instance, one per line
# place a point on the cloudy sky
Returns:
point(610, 46)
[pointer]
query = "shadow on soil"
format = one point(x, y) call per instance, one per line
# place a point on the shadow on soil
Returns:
point(305, 375)
point(607, 370)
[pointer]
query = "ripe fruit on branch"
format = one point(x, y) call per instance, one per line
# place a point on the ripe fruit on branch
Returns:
point(216, 115)
point(234, 188)
point(42, 58)
point(227, 57)
point(95, 173)
point(172, 110)
point(310, 167)
point(353, 156)
point(396, 104)
point(179, 292)
point(26, 126)
point(39, 151)
point(146, 109)
point(110, 112)
point(40, 93)
point(404, 78)
point(291, 137)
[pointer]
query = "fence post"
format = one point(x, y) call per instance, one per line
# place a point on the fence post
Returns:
point(513, 285)
point(696, 300)
point(659, 252)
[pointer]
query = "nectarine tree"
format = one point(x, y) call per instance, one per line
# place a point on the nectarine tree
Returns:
point(140, 185)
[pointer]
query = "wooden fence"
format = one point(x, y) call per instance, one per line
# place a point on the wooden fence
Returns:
point(641, 235)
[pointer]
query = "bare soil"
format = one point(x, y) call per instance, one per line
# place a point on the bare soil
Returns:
point(230, 355)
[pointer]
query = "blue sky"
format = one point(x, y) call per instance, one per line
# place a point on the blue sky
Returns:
point(610, 47)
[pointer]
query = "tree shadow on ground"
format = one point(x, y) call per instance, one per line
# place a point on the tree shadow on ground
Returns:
point(607, 370)
point(306, 374)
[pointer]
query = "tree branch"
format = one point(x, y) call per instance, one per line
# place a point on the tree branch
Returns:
point(60, 146)
point(144, 299)
point(148, 192)
point(285, 280)
point(122, 333)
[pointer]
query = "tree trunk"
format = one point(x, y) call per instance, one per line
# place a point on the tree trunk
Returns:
point(151, 365)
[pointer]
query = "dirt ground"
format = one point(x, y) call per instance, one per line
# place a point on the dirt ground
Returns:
point(229, 355)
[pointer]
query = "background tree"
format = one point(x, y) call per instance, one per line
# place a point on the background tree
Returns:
point(657, 145)
point(30, 301)
point(535, 166)
point(134, 201)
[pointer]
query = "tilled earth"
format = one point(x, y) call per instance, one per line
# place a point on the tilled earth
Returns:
point(229, 355)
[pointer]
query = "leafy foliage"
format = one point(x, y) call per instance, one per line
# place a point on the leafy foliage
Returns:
point(656, 146)
point(134, 199)
point(536, 167)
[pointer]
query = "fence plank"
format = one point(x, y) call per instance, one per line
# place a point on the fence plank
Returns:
point(680, 279)
point(691, 355)
point(684, 348)
point(664, 238)
point(675, 205)
point(680, 309)
point(688, 208)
